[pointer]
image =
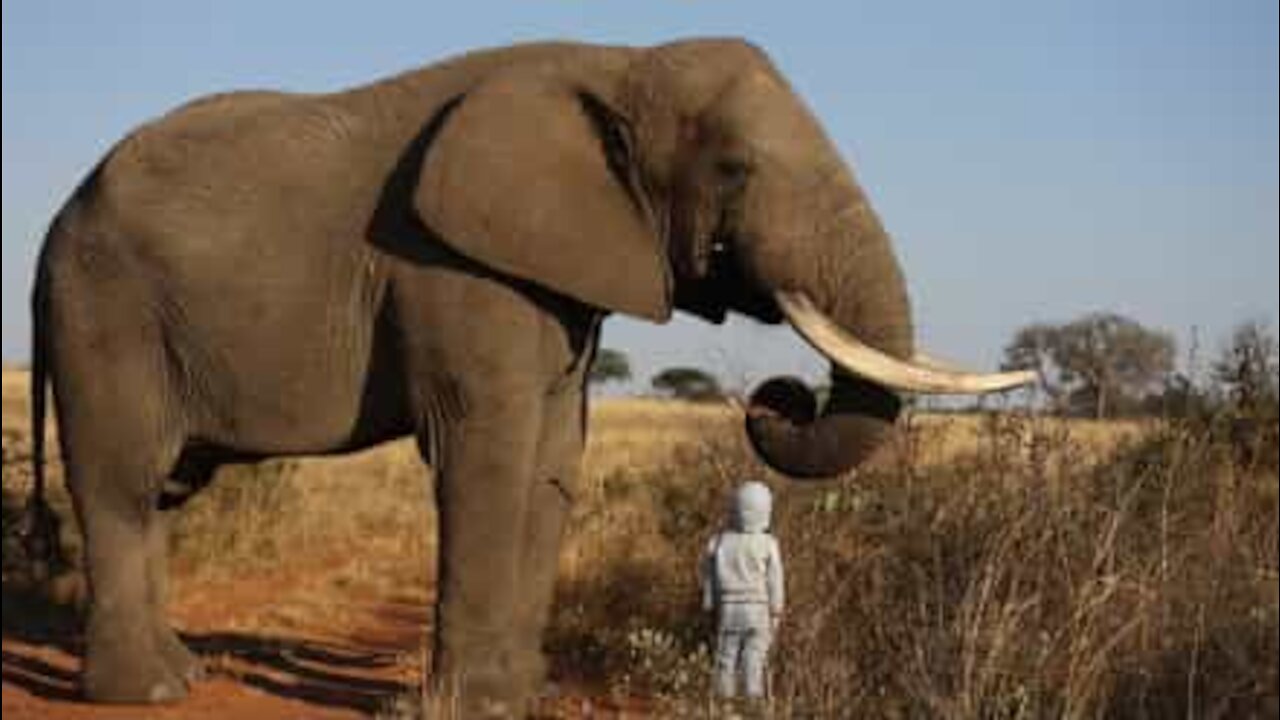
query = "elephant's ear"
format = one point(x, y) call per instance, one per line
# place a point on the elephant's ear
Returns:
point(523, 178)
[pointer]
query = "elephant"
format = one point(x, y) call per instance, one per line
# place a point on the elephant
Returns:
point(260, 274)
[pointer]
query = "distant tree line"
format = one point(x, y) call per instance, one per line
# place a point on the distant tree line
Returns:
point(687, 383)
point(681, 383)
point(1100, 365)
point(1104, 365)
point(609, 366)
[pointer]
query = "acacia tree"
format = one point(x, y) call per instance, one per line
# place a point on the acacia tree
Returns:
point(1032, 348)
point(1100, 365)
point(1247, 370)
point(687, 383)
point(609, 366)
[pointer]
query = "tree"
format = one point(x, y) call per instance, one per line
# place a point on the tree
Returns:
point(609, 366)
point(1100, 365)
point(1183, 398)
point(687, 383)
point(1033, 349)
point(1247, 371)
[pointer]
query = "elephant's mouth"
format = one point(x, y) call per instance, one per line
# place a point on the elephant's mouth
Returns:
point(726, 286)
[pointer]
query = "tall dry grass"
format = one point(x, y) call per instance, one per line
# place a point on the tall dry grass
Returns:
point(1035, 569)
point(373, 505)
point(16, 415)
point(295, 513)
point(993, 567)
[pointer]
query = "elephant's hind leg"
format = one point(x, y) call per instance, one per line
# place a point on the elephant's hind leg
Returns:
point(126, 660)
point(179, 659)
point(193, 471)
point(120, 440)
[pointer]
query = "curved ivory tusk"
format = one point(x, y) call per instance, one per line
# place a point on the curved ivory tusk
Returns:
point(865, 361)
point(933, 363)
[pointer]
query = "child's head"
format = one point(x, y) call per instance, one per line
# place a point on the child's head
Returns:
point(751, 507)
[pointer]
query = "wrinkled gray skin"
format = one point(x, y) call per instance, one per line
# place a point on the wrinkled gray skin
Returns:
point(263, 274)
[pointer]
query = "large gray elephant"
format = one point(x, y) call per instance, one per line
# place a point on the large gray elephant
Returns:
point(260, 274)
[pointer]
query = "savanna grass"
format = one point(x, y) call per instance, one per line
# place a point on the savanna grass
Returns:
point(1030, 575)
point(996, 566)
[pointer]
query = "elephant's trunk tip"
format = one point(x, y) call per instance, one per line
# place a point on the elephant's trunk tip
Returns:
point(788, 434)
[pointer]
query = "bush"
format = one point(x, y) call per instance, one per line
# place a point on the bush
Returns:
point(1018, 579)
point(236, 522)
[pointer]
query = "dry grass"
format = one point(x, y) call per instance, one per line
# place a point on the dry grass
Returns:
point(255, 517)
point(14, 380)
point(16, 414)
point(996, 567)
point(639, 433)
point(981, 567)
point(944, 439)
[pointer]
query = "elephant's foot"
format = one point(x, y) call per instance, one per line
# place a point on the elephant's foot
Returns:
point(490, 697)
point(529, 673)
point(491, 709)
point(131, 675)
point(482, 679)
point(184, 663)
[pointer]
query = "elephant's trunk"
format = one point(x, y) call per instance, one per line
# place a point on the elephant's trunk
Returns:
point(857, 286)
point(856, 314)
point(786, 434)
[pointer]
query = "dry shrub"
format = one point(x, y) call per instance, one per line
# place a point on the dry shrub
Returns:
point(296, 511)
point(15, 389)
point(13, 516)
point(983, 567)
point(628, 612)
point(236, 521)
point(1030, 575)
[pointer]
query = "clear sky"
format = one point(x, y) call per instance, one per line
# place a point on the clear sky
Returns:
point(1033, 160)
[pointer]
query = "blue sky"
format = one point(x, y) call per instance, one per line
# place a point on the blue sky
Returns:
point(1034, 161)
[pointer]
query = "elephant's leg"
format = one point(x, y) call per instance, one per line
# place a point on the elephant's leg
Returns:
point(122, 660)
point(191, 473)
point(551, 495)
point(482, 495)
point(180, 660)
point(120, 438)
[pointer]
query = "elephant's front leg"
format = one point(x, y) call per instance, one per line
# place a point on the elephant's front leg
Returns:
point(482, 496)
point(551, 495)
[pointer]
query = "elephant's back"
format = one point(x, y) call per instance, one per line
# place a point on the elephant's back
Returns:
point(230, 173)
point(222, 142)
point(228, 177)
point(221, 107)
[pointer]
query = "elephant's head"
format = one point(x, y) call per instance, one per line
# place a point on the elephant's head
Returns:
point(691, 176)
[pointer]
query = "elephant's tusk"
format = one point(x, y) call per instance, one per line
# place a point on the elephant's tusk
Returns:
point(933, 363)
point(846, 351)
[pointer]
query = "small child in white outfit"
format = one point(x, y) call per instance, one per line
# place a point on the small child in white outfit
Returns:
point(742, 581)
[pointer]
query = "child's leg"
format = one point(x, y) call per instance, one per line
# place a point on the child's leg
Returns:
point(728, 657)
point(755, 656)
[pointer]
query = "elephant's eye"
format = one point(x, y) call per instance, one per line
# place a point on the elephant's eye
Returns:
point(732, 169)
point(732, 174)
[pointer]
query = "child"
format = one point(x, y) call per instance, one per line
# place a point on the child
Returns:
point(742, 582)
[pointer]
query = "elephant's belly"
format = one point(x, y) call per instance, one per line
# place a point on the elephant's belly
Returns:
point(309, 432)
point(293, 404)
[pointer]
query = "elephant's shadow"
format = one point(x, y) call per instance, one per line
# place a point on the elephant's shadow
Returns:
point(42, 647)
point(319, 673)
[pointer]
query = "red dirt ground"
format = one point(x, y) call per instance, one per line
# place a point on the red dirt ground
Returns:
point(304, 641)
point(288, 664)
point(305, 670)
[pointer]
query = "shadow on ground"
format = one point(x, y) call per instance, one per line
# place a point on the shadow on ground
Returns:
point(42, 651)
point(319, 673)
point(42, 648)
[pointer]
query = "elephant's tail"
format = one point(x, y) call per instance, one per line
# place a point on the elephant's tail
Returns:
point(42, 543)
